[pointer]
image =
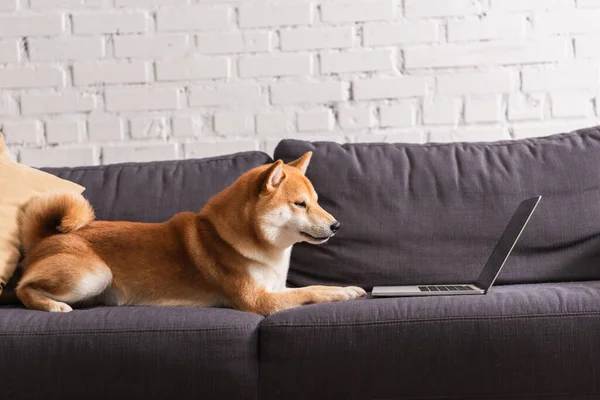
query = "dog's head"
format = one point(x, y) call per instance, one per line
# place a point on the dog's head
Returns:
point(288, 208)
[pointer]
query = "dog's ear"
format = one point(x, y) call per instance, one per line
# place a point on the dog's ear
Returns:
point(302, 162)
point(274, 176)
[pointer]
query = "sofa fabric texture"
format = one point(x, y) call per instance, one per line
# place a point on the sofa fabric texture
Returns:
point(432, 213)
point(519, 341)
point(136, 352)
point(154, 192)
point(409, 214)
point(129, 352)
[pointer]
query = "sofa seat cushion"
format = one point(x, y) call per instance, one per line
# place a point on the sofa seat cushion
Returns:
point(155, 191)
point(519, 341)
point(129, 352)
point(413, 213)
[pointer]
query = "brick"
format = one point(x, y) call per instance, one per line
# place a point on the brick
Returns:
point(483, 109)
point(383, 34)
point(578, 76)
point(192, 68)
point(384, 10)
point(545, 128)
point(50, 49)
point(573, 21)
point(442, 111)
point(192, 18)
point(488, 53)
point(529, 5)
point(226, 94)
point(522, 107)
point(143, 127)
point(56, 103)
point(137, 153)
point(275, 65)
point(157, 46)
point(105, 128)
point(274, 123)
point(64, 130)
point(93, 73)
point(8, 105)
point(58, 157)
point(388, 88)
point(357, 61)
point(307, 92)
point(234, 123)
point(588, 3)
point(10, 51)
point(315, 120)
point(22, 131)
point(502, 81)
point(441, 8)
point(317, 38)
point(259, 15)
point(468, 134)
point(101, 22)
point(9, 5)
point(355, 117)
point(147, 3)
point(571, 104)
point(397, 115)
point(13, 154)
point(31, 77)
point(142, 99)
point(183, 125)
point(233, 42)
point(587, 46)
point(392, 136)
point(491, 27)
point(202, 150)
point(66, 4)
point(31, 25)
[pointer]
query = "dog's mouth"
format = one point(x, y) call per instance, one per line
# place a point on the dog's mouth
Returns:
point(317, 239)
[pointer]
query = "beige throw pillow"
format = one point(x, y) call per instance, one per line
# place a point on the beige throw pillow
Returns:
point(3, 149)
point(18, 184)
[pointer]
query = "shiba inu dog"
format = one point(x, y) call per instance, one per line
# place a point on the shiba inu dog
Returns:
point(235, 252)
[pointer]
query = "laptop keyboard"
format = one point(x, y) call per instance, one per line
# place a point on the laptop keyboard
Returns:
point(439, 288)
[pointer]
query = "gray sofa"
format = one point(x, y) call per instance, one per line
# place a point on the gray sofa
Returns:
point(410, 214)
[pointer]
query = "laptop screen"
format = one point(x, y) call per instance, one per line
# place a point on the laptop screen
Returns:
point(507, 241)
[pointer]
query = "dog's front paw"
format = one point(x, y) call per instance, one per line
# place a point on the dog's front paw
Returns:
point(334, 293)
point(359, 292)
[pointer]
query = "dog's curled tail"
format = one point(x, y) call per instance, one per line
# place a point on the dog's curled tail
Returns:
point(53, 213)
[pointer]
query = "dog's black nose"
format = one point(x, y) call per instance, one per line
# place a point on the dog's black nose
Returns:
point(335, 226)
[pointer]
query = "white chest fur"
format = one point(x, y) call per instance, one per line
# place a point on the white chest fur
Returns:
point(274, 275)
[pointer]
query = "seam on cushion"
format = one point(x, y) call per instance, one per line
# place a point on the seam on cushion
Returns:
point(169, 162)
point(127, 331)
point(427, 320)
point(526, 141)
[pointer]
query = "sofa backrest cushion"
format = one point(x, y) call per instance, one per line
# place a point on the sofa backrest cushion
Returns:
point(155, 191)
point(414, 214)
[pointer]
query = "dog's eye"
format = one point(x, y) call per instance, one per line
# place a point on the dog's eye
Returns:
point(300, 204)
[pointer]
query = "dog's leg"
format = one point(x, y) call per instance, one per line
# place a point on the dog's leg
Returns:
point(260, 301)
point(56, 282)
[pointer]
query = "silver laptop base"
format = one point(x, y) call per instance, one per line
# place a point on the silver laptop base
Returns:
point(402, 291)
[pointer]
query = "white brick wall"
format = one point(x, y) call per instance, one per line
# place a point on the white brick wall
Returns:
point(84, 82)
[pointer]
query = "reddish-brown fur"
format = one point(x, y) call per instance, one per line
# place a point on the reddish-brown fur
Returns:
point(201, 259)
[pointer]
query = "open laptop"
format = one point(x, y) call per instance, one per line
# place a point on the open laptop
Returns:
point(490, 272)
